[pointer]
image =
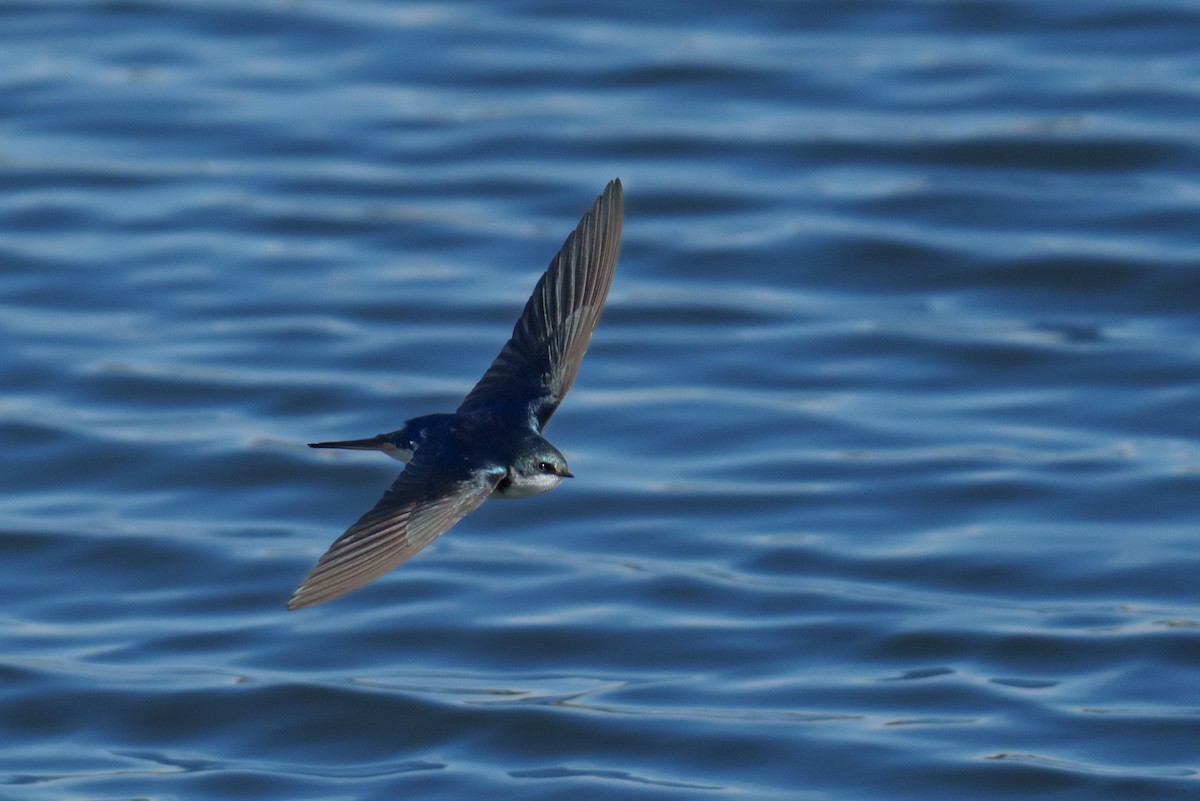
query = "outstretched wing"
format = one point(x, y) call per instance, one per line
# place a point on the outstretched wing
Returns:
point(538, 364)
point(423, 502)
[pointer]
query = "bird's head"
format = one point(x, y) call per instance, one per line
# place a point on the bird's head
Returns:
point(544, 461)
point(538, 468)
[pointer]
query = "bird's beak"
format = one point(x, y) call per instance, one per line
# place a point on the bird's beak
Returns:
point(567, 474)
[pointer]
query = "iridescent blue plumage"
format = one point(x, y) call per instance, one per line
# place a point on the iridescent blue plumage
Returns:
point(492, 445)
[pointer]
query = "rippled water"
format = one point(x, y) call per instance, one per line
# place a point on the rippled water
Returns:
point(887, 446)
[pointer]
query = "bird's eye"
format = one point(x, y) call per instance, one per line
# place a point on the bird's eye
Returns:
point(545, 467)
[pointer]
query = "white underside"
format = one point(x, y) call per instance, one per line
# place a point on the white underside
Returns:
point(528, 487)
point(399, 455)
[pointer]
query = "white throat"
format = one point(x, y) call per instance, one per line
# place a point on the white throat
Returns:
point(517, 486)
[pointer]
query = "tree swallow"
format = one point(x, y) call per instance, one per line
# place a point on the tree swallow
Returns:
point(492, 445)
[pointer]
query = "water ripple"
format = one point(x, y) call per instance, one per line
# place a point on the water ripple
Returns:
point(886, 445)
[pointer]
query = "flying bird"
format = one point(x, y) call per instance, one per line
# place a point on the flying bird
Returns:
point(492, 445)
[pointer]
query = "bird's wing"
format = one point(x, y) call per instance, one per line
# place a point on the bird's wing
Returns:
point(423, 502)
point(537, 365)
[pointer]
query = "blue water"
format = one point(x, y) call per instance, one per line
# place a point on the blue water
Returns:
point(887, 446)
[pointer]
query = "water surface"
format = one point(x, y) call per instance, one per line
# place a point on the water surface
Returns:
point(887, 445)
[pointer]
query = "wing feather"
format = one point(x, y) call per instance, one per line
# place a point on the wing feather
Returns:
point(423, 502)
point(535, 368)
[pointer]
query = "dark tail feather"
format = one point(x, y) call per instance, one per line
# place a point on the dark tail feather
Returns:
point(377, 443)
